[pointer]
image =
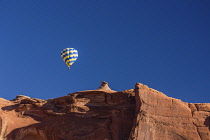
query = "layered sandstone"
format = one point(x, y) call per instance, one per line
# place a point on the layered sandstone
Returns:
point(104, 114)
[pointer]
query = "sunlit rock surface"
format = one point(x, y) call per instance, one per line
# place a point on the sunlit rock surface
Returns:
point(141, 113)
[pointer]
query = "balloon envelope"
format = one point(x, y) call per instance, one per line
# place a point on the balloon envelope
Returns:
point(69, 56)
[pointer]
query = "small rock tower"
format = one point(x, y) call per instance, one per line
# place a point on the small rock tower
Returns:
point(104, 86)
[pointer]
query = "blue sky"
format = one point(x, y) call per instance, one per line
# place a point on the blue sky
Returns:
point(163, 44)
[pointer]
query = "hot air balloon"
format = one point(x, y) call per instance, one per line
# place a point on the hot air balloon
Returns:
point(69, 56)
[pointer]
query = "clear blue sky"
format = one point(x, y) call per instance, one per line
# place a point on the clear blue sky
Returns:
point(164, 44)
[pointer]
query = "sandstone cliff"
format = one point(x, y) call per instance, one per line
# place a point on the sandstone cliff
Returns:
point(103, 114)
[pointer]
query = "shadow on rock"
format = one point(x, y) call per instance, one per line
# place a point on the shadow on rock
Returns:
point(207, 122)
point(10, 108)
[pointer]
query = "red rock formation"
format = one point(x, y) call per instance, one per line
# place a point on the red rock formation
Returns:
point(104, 114)
point(159, 117)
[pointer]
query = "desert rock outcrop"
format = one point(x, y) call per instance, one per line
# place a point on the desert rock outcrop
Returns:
point(141, 113)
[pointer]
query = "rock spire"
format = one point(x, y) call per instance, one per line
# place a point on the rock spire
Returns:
point(104, 86)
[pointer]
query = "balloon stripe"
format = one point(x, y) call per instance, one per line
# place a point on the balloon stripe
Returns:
point(66, 54)
point(67, 49)
point(71, 55)
point(71, 60)
point(69, 63)
point(69, 52)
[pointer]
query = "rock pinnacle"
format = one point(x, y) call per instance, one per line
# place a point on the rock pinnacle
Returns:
point(104, 86)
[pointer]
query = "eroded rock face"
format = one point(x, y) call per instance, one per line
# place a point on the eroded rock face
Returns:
point(159, 117)
point(86, 115)
point(104, 114)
